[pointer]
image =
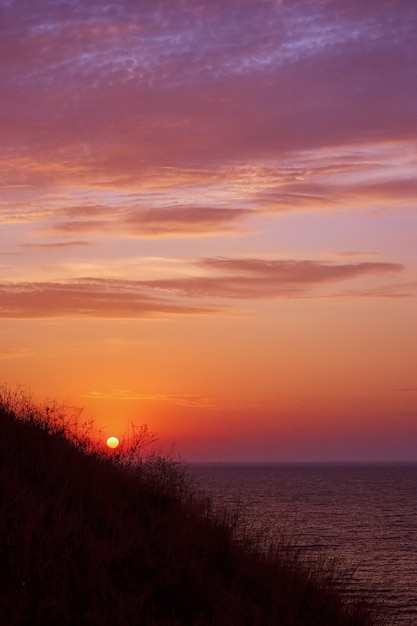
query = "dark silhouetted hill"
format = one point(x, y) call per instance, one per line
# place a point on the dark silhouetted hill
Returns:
point(86, 539)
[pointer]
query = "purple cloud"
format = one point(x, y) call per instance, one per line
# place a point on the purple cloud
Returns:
point(114, 89)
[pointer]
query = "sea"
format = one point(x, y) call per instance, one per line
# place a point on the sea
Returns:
point(361, 516)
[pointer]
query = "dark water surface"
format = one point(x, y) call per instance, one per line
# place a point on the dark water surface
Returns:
point(364, 514)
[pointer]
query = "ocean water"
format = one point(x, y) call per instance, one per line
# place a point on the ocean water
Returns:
point(364, 515)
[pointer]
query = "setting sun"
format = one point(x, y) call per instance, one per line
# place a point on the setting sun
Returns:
point(112, 442)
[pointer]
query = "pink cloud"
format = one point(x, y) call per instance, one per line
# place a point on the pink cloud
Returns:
point(57, 245)
point(299, 271)
point(250, 278)
point(397, 190)
point(89, 298)
point(156, 222)
point(244, 279)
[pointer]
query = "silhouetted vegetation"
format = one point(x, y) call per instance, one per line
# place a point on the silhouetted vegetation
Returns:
point(94, 538)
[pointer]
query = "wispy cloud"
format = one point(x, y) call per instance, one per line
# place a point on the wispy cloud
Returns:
point(350, 254)
point(56, 245)
point(91, 298)
point(225, 278)
point(298, 271)
point(157, 222)
point(191, 400)
point(15, 354)
point(249, 278)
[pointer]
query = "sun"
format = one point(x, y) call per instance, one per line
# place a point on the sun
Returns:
point(112, 442)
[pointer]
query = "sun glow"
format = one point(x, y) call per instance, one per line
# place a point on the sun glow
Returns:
point(112, 442)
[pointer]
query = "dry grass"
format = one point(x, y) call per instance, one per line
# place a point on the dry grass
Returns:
point(92, 539)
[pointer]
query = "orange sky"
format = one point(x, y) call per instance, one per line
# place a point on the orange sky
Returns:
point(208, 221)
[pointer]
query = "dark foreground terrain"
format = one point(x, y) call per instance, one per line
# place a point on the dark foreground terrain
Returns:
point(91, 538)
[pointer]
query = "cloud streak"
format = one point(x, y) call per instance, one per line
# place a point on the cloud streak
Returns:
point(157, 222)
point(57, 245)
point(250, 278)
point(15, 354)
point(89, 298)
point(190, 400)
point(233, 279)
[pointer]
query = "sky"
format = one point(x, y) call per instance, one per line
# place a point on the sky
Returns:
point(208, 221)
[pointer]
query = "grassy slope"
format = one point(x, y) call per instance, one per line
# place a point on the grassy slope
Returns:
point(85, 541)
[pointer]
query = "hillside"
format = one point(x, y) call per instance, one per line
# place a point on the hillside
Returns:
point(91, 540)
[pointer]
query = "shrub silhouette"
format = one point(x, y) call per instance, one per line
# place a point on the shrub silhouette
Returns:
point(90, 538)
